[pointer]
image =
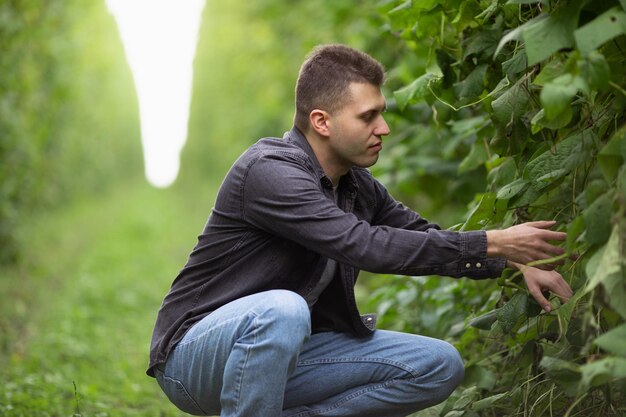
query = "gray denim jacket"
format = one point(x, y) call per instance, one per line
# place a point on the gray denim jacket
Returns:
point(274, 226)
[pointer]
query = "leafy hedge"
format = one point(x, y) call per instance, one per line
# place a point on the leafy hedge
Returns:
point(68, 117)
point(245, 68)
point(519, 107)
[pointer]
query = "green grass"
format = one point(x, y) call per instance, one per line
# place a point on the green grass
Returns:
point(76, 314)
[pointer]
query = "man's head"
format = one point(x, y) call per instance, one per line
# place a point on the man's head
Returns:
point(325, 78)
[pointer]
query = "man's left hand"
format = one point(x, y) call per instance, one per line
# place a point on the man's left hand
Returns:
point(538, 280)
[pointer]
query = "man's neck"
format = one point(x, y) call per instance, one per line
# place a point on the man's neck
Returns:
point(332, 170)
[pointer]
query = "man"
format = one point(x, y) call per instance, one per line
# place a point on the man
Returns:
point(262, 320)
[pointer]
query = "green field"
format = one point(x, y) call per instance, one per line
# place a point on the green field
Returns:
point(77, 314)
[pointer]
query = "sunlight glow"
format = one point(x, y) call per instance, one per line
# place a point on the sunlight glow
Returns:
point(160, 38)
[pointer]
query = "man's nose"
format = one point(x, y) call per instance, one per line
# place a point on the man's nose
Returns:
point(382, 129)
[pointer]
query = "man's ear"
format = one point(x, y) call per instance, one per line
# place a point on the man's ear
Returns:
point(319, 121)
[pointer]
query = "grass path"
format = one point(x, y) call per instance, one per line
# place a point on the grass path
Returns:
point(77, 314)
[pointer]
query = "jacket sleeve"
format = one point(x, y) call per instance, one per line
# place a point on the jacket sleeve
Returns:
point(282, 197)
point(393, 213)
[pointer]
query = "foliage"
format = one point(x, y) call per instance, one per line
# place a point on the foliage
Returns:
point(68, 123)
point(519, 104)
point(515, 107)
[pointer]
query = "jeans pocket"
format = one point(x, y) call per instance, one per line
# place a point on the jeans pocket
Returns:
point(178, 394)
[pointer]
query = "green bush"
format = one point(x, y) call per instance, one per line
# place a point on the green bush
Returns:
point(519, 108)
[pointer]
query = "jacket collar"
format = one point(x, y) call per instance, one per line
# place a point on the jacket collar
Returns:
point(296, 137)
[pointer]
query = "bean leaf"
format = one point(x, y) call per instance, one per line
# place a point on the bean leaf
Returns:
point(512, 311)
point(613, 341)
point(603, 28)
point(415, 91)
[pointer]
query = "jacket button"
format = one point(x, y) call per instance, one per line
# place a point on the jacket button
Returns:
point(468, 265)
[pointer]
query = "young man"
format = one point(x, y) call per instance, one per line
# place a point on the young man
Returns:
point(262, 320)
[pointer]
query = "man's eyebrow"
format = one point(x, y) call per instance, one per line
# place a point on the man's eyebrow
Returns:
point(377, 109)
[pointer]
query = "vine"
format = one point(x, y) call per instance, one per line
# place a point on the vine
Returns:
point(518, 106)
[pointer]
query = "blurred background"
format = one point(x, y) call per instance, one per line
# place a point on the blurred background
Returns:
point(487, 131)
point(88, 246)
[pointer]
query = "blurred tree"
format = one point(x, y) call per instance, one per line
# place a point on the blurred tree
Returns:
point(68, 118)
point(245, 71)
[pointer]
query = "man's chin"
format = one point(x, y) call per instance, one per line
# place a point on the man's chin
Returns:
point(367, 164)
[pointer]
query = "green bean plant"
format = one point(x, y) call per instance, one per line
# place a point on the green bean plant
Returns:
point(517, 107)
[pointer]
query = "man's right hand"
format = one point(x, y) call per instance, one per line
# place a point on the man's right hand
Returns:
point(525, 243)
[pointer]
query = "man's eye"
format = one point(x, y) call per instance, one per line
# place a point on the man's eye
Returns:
point(369, 116)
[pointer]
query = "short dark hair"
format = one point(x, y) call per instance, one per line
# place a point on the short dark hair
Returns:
point(325, 77)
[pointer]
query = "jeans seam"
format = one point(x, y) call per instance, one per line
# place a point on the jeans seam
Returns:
point(185, 342)
point(179, 386)
point(348, 398)
point(384, 361)
point(245, 362)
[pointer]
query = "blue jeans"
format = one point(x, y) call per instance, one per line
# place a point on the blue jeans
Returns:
point(256, 357)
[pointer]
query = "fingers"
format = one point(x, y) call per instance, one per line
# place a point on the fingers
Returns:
point(547, 234)
point(552, 235)
point(539, 246)
point(538, 281)
point(541, 224)
point(564, 299)
point(545, 267)
point(562, 289)
point(547, 251)
point(558, 286)
point(535, 291)
point(526, 243)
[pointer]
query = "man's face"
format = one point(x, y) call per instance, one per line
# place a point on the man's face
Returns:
point(356, 130)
